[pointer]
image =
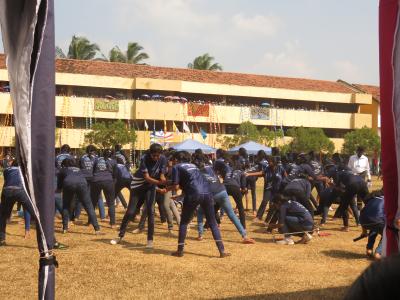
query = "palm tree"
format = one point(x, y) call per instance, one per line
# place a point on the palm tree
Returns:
point(133, 54)
point(60, 53)
point(81, 48)
point(205, 62)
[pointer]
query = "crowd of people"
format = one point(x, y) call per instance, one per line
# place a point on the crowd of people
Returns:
point(189, 186)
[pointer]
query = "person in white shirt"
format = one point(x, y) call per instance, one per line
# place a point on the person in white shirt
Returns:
point(359, 164)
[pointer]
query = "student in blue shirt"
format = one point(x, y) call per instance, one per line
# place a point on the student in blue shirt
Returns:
point(196, 190)
point(220, 197)
point(64, 153)
point(151, 172)
point(294, 219)
point(13, 191)
point(72, 183)
point(104, 173)
point(123, 179)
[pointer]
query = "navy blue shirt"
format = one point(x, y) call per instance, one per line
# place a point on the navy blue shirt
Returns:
point(190, 179)
point(230, 178)
point(104, 169)
point(123, 172)
point(215, 185)
point(373, 213)
point(308, 170)
point(86, 164)
point(151, 167)
point(12, 177)
point(295, 209)
point(70, 176)
point(59, 159)
point(342, 177)
point(122, 156)
point(317, 168)
point(273, 178)
point(299, 184)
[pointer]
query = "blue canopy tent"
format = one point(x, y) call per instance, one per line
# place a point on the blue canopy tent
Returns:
point(190, 146)
point(252, 148)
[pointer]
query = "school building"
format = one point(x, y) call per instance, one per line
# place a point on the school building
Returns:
point(181, 103)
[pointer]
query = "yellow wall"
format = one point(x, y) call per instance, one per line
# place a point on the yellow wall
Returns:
point(373, 110)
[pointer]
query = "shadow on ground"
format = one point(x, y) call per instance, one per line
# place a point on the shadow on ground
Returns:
point(326, 294)
point(343, 254)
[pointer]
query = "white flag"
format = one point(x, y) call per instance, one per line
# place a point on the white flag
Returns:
point(145, 125)
point(186, 128)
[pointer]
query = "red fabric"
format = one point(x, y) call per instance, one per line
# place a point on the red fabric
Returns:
point(388, 10)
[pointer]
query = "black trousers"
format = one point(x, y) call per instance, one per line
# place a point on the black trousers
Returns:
point(119, 186)
point(251, 185)
point(108, 189)
point(235, 192)
point(357, 188)
point(139, 196)
point(81, 193)
point(8, 199)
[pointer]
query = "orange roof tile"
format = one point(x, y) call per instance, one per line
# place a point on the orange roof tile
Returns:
point(144, 71)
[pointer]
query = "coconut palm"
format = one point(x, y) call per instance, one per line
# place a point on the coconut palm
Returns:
point(133, 54)
point(81, 48)
point(205, 62)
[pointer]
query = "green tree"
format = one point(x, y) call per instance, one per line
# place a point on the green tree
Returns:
point(81, 48)
point(205, 62)
point(132, 55)
point(365, 137)
point(106, 135)
point(247, 131)
point(307, 139)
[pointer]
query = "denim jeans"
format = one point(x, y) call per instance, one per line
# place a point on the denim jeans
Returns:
point(222, 199)
point(107, 186)
point(294, 224)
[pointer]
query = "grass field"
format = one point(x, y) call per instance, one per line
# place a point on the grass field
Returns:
point(93, 269)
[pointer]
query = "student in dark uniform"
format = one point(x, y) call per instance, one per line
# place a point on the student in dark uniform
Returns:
point(119, 153)
point(328, 196)
point(234, 186)
point(72, 183)
point(196, 190)
point(220, 197)
point(299, 189)
point(294, 219)
point(143, 190)
point(104, 173)
point(13, 191)
point(351, 185)
point(86, 165)
point(123, 179)
point(64, 153)
point(273, 175)
point(372, 220)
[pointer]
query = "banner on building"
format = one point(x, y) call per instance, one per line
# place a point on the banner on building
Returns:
point(106, 105)
point(161, 137)
point(198, 110)
point(260, 113)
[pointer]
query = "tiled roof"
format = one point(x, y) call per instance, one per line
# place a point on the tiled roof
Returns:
point(143, 71)
point(370, 89)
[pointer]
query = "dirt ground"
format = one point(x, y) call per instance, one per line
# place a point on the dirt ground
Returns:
point(93, 269)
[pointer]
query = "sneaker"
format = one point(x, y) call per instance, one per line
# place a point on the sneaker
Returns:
point(2, 243)
point(306, 238)
point(60, 246)
point(177, 253)
point(224, 254)
point(137, 230)
point(116, 241)
point(98, 232)
point(200, 238)
point(149, 244)
point(285, 241)
point(65, 231)
point(248, 241)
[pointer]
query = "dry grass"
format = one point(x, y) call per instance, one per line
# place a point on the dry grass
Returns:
point(93, 269)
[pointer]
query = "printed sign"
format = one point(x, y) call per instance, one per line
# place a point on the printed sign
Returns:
point(106, 105)
point(198, 110)
point(260, 113)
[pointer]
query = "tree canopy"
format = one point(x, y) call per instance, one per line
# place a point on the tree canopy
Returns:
point(132, 55)
point(205, 62)
point(106, 135)
point(307, 139)
point(365, 137)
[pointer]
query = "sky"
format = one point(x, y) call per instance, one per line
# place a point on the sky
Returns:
point(318, 39)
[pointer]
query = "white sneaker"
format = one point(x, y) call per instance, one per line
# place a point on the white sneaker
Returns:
point(306, 238)
point(137, 230)
point(149, 244)
point(285, 241)
point(116, 241)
